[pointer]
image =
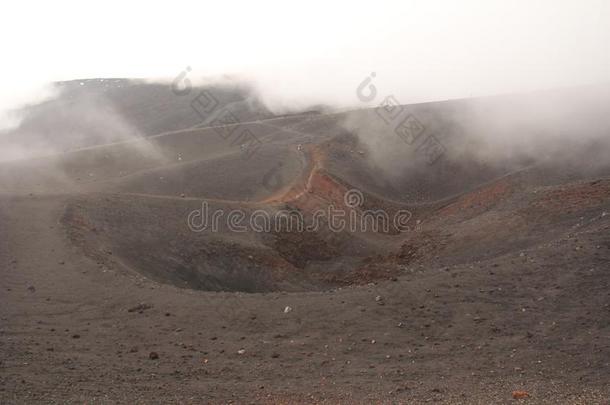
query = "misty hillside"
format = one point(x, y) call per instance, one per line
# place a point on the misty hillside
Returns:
point(98, 111)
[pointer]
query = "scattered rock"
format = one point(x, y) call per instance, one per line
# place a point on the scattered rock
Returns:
point(153, 356)
point(141, 307)
point(520, 394)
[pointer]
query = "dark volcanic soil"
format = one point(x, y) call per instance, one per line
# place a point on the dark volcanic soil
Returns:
point(500, 284)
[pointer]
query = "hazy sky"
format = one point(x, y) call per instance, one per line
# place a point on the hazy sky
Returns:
point(314, 51)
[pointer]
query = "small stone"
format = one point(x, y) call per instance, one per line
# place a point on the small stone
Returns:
point(76, 336)
point(32, 289)
point(241, 351)
point(520, 394)
point(141, 307)
point(153, 356)
point(287, 309)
